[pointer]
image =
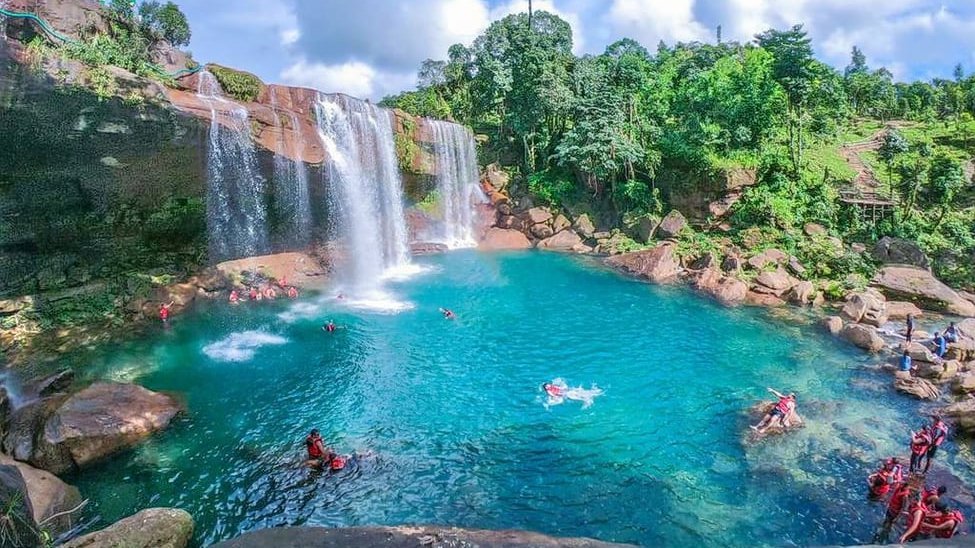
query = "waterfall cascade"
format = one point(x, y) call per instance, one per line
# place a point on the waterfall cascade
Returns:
point(236, 213)
point(365, 189)
point(291, 194)
point(457, 182)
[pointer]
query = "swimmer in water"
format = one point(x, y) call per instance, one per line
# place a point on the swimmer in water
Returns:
point(558, 391)
point(447, 313)
point(329, 327)
point(292, 292)
point(234, 297)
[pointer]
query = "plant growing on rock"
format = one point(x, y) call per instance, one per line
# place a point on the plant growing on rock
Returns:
point(242, 86)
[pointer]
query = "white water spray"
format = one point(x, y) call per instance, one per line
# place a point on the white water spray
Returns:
point(457, 182)
point(236, 218)
point(291, 183)
point(365, 193)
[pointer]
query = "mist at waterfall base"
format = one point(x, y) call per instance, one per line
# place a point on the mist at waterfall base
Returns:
point(459, 432)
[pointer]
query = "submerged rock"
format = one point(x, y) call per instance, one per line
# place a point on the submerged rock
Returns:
point(401, 537)
point(758, 411)
point(658, 265)
point(151, 528)
point(99, 421)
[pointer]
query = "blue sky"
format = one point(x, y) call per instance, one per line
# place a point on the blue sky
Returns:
point(370, 48)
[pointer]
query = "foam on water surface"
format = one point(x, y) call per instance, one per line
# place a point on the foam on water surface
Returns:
point(241, 347)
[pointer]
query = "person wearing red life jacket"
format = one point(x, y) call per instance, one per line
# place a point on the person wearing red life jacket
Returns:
point(942, 522)
point(164, 311)
point(318, 454)
point(269, 293)
point(879, 485)
point(939, 433)
point(254, 294)
point(283, 282)
point(234, 297)
point(329, 327)
point(915, 517)
point(292, 292)
point(920, 442)
point(782, 409)
point(895, 470)
point(553, 390)
point(895, 505)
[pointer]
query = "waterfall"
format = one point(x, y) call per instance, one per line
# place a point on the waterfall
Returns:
point(291, 183)
point(365, 190)
point(457, 182)
point(236, 217)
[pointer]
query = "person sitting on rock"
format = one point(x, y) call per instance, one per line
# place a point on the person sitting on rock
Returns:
point(906, 365)
point(915, 515)
point(920, 441)
point(942, 522)
point(951, 333)
point(254, 294)
point(318, 454)
point(783, 408)
point(292, 292)
point(269, 293)
point(940, 345)
point(234, 297)
point(939, 433)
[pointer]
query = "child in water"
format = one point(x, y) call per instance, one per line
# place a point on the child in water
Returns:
point(558, 391)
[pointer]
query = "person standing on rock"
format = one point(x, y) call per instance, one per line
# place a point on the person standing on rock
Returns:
point(939, 433)
point(940, 345)
point(783, 408)
point(910, 327)
point(920, 442)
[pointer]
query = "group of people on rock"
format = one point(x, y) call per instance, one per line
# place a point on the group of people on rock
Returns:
point(264, 291)
point(925, 514)
point(939, 343)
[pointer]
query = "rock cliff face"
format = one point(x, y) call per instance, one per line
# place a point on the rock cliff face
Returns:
point(104, 181)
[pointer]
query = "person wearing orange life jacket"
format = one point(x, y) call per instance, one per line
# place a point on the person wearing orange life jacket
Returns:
point(895, 470)
point(782, 409)
point(269, 293)
point(329, 327)
point(234, 297)
point(292, 292)
point(942, 522)
point(915, 516)
point(879, 485)
point(939, 433)
point(920, 441)
point(254, 294)
point(895, 506)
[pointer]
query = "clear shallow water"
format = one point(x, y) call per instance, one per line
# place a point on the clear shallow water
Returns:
point(458, 426)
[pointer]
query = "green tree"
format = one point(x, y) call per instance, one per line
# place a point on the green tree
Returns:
point(945, 179)
point(166, 22)
point(793, 70)
point(892, 146)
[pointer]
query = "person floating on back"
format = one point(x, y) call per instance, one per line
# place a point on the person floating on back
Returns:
point(164, 311)
point(783, 408)
point(939, 433)
point(447, 313)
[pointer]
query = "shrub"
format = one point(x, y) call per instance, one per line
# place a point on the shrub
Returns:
point(165, 21)
point(242, 86)
point(552, 186)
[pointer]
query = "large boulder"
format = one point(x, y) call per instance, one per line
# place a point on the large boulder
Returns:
point(833, 324)
point(803, 293)
point(99, 421)
point(921, 287)
point(645, 228)
point(776, 282)
point(862, 336)
point(766, 258)
point(726, 289)
point(48, 386)
point(48, 495)
point(671, 225)
point(869, 307)
point(962, 414)
point(402, 537)
point(18, 526)
point(765, 300)
point(542, 231)
point(151, 528)
point(584, 226)
point(537, 215)
point(899, 310)
point(964, 383)
point(967, 328)
point(920, 353)
point(658, 265)
point(919, 388)
point(26, 424)
point(898, 251)
point(502, 238)
point(940, 372)
point(566, 240)
point(963, 350)
point(560, 223)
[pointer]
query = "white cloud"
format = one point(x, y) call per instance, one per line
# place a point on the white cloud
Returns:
point(649, 21)
point(290, 36)
point(354, 77)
